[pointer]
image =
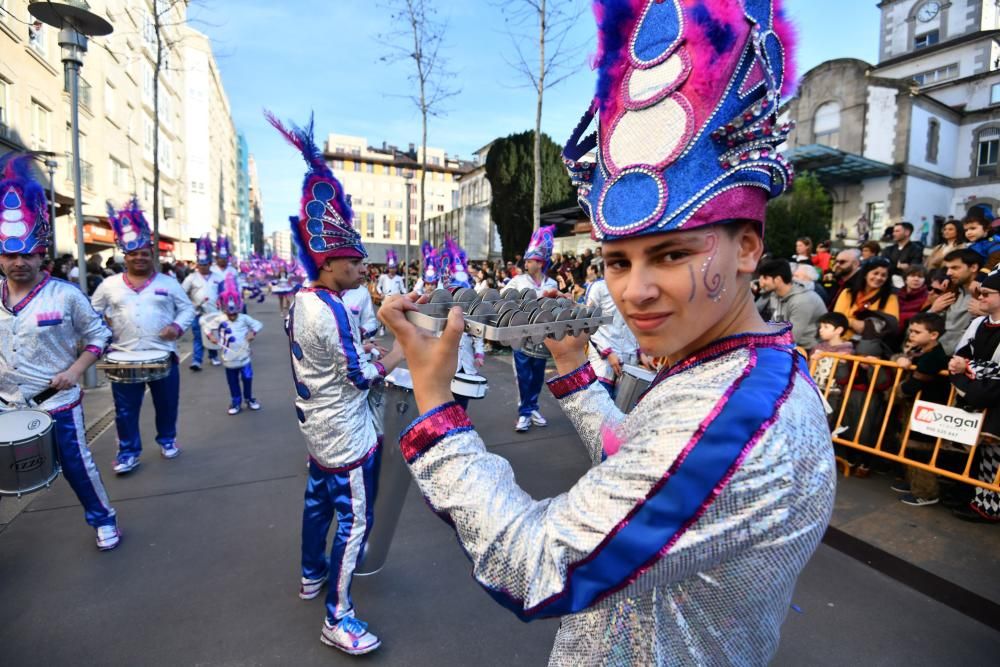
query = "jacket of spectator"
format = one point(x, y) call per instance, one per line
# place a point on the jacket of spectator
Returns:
point(911, 302)
point(911, 253)
point(956, 320)
point(801, 307)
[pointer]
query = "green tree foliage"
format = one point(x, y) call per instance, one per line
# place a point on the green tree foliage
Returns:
point(806, 210)
point(510, 170)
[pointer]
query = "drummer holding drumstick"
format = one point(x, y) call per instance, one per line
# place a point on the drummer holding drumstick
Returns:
point(152, 308)
point(43, 321)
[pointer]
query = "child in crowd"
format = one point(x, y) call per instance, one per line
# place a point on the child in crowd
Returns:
point(914, 294)
point(925, 358)
point(832, 328)
point(233, 330)
point(982, 239)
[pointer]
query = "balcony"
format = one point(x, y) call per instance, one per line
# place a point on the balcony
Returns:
point(86, 92)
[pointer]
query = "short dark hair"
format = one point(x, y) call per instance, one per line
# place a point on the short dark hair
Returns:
point(906, 225)
point(871, 245)
point(835, 320)
point(915, 270)
point(965, 256)
point(776, 268)
point(975, 220)
point(933, 322)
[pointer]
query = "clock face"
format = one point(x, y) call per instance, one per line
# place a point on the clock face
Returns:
point(929, 11)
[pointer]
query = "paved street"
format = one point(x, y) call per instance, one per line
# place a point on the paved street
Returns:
point(207, 572)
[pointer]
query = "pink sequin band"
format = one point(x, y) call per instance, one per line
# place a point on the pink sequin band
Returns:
point(430, 429)
point(578, 380)
point(380, 367)
point(96, 351)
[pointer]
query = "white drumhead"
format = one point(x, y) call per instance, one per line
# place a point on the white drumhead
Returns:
point(639, 372)
point(472, 379)
point(18, 425)
point(400, 377)
point(136, 356)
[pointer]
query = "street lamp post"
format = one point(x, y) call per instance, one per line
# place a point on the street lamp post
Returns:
point(406, 239)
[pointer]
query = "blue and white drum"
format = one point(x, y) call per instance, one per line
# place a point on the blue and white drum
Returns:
point(27, 452)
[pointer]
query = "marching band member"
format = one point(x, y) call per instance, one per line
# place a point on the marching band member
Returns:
point(471, 349)
point(390, 283)
point(44, 322)
point(332, 380)
point(612, 345)
point(530, 371)
point(233, 331)
point(684, 546)
point(431, 275)
point(202, 288)
point(359, 301)
point(152, 310)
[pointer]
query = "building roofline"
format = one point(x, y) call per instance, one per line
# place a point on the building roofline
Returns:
point(940, 46)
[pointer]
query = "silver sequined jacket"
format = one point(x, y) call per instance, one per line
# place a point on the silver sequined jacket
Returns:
point(141, 312)
point(39, 338)
point(683, 547)
point(332, 378)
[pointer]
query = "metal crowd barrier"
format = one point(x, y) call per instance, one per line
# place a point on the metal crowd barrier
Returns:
point(870, 437)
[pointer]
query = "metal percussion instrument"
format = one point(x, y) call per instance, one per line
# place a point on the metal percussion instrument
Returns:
point(393, 475)
point(136, 366)
point(28, 460)
point(469, 386)
point(631, 385)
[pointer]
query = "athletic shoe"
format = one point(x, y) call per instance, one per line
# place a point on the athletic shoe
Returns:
point(900, 486)
point(169, 450)
point(310, 588)
point(253, 404)
point(196, 368)
point(349, 635)
point(216, 362)
point(523, 424)
point(125, 463)
point(537, 419)
point(910, 499)
point(108, 537)
point(234, 410)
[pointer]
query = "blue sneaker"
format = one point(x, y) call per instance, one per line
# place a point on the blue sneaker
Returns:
point(349, 635)
point(125, 463)
point(169, 450)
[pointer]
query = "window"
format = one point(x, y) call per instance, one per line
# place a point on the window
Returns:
point(338, 164)
point(147, 137)
point(41, 130)
point(147, 82)
point(995, 93)
point(933, 138)
point(986, 160)
point(36, 36)
point(385, 226)
point(370, 224)
point(117, 174)
point(370, 168)
point(875, 212)
point(937, 75)
point(147, 191)
point(4, 120)
point(925, 40)
point(110, 101)
point(357, 166)
point(826, 125)
point(436, 160)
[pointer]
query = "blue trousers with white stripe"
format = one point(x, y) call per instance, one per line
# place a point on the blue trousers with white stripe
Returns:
point(530, 372)
point(128, 404)
point(78, 467)
point(349, 494)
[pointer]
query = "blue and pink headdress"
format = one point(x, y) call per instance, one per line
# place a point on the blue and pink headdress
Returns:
point(391, 261)
point(24, 214)
point(203, 250)
point(432, 263)
point(222, 249)
point(131, 229)
point(458, 262)
point(323, 229)
point(686, 109)
point(543, 241)
point(230, 297)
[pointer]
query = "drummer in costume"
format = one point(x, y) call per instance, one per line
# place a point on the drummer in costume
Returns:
point(390, 283)
point(332, 380)
point(471, 350)
point(201, 287)
point(612, 345)
point(44, 323)
point(684, 546)
point(234, 330)
point(147, 311)
point(530, 369)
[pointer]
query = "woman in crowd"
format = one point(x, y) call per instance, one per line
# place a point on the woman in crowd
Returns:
point(914, 294)
point(803, 250)
point(871, 290)
point(951, 239)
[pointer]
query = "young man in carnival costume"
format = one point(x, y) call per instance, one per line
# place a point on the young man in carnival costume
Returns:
point(332, 380)
point(44, 323)
point(233, 331)
point(202, 288)
point(684, 546)
point(146, 310)
point(530, 369)
point(390, 283)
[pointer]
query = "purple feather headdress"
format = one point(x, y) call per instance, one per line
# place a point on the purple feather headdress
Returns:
point(686, 113)
point(24, 213)
point(323, 229)
point(542, 243)
point(230, 299)
point(131, 229)
point(222, 249)
point(458, 265)
point(391, 261)
point(203, 248)
point(432, 263)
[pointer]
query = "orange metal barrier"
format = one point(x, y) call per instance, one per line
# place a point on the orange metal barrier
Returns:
point(881, 389)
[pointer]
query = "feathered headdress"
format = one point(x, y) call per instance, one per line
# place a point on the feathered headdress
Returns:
point(323, 229)
point(458, 263)
point(432, 267)
point(230, 299)
point(203, 248)
point(391, 261)
point(543, 240)
point(686, 110)
point(222, 249)
point(131, 229)
point(24, 214)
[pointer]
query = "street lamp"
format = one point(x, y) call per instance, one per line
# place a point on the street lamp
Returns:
point(406, 233)
point(75, 22)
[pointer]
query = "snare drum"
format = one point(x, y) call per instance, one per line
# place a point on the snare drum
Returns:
point(27, 452)
point(136, 366)
point(633, 381)
point(469, 386)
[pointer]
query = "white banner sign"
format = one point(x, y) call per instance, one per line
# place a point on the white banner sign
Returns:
point(941, 421)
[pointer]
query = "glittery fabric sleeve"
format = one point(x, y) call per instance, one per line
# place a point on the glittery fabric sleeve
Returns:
point(184, 312)
point(90, 327)
point(589, 407)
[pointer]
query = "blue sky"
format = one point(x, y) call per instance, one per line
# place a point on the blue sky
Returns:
point(324, 56)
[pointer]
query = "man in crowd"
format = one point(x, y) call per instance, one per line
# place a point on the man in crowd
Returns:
point(962, 266)
point(789, 301)
point(845, 267)
point(146, 311)
point(903, 253)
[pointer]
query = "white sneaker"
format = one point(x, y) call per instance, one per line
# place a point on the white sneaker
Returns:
point(216, 362)
point(523, 424)
point(253, 404)
point(170, 450)
point(234, 410)
point(108, 537)
point(310, 588)
point(125, 463)
point(537, 419)
point(349, 635)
